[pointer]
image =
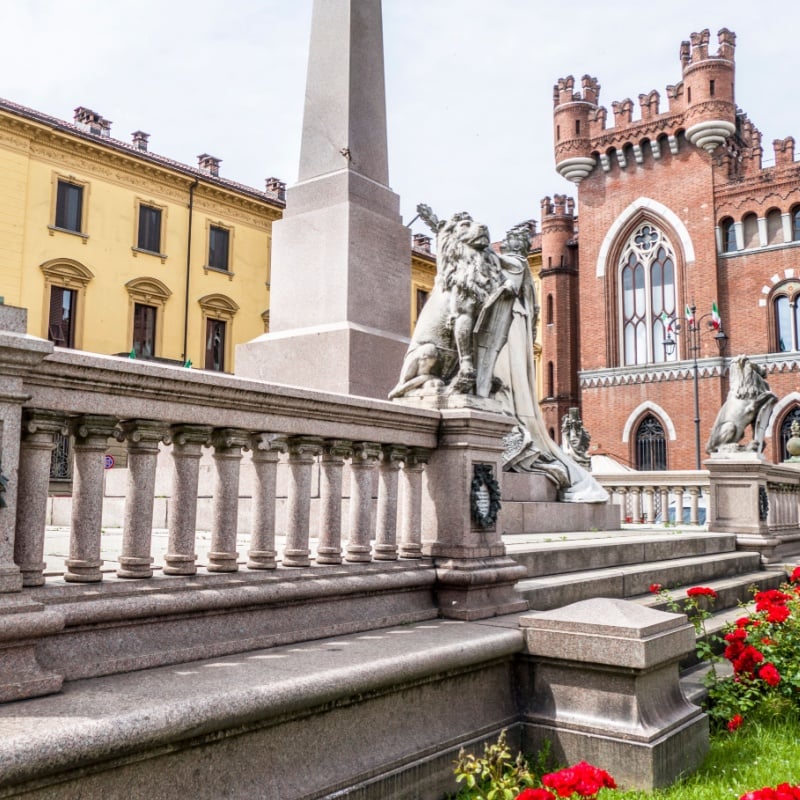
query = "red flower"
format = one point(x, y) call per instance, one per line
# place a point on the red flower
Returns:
point(768, 642)
point(743, 622)
point(769, 674)
point(771, 597)
point(700, 591)
point(795, 576)
point(777, 614)
point(655, 588)
point(535, 794)
point(582, 779)
point(735, 722)
point(747, 660)
point(781, 792)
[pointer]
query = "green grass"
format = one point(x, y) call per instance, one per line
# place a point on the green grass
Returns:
point(758, 754)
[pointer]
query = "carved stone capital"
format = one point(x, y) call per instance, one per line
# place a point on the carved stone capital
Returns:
point(304, 448)
point(92, 431)
point(142, 435)
point(267, 446)
point(230, 441)
point(365, 454)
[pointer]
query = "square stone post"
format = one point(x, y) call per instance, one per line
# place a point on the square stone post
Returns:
point(738, 501)
point(460, 503)
point(18, 354)
point(603, 687)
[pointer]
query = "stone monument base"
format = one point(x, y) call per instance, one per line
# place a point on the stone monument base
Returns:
point(531, 505)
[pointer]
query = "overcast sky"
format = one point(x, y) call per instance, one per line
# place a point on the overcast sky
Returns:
point(469, 82)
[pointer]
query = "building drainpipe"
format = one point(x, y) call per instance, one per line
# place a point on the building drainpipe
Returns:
point(185, 356)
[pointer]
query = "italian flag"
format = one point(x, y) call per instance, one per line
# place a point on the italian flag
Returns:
point(716, 320)
point(666, 322)
point(689, 316)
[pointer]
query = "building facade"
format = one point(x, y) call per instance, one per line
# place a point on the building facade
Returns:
point(682, 223)
point(117, 250)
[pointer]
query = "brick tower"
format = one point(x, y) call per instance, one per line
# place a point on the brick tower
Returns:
point(558, 301)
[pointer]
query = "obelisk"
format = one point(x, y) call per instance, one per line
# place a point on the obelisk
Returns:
point(341, 256)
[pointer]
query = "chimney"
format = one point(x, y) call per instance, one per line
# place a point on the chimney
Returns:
point(422, 242)
point(277, 187)
point(209, 164)
point(92, 122)
point(140, 140)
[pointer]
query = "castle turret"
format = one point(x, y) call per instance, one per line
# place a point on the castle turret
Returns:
point(708, 89)
point(559, 302)
point(572, 115)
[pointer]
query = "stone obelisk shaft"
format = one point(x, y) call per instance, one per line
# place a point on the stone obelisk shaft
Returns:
point(340, 282)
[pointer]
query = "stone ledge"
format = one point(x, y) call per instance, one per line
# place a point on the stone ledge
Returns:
point(137, 716)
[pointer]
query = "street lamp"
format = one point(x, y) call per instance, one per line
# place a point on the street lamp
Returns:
point(695, 330)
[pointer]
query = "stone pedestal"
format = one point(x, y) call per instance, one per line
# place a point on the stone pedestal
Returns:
point(603, 688)
point(341, 256)
point(737, 494)
point(475, 577)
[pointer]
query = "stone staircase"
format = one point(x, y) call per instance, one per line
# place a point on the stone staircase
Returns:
point(566, 568)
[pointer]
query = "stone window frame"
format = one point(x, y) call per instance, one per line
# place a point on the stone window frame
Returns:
point(55, 179)
point(66, 273)
point(788, 290)
point(148, 291)
point(218, 307)
point(138, 202)
point(627, 245)
point(211, 223)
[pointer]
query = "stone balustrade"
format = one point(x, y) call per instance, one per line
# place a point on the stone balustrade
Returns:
point(655, 497)
point(382, 444)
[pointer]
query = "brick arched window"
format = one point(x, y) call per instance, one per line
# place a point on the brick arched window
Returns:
point(750, 231)
point(647, 295)
point(786, 431)
point(785, 309)
point(728, 229)
point(796, 224)
point(549, 310)
point(774, 226)
point(651, 444)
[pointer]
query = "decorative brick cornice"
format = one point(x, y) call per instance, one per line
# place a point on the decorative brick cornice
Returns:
point(651, 373)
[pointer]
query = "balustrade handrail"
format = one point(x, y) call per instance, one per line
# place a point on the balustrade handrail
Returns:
point(85, 383)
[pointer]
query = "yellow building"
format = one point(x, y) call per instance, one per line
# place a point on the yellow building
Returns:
point(117, 250)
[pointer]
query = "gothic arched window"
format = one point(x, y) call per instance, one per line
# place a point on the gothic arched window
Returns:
point(728, 228)
point(651, 445)
point(647, 286)
point(786, 431)
point(786, 317)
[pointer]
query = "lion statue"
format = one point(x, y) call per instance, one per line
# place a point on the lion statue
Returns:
point(749, 403)
point(442, 349)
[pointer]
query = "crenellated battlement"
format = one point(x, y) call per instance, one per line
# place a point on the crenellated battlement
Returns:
point(701, 108)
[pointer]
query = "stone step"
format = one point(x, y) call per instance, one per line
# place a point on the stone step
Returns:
point(577, 553)
point(631, 580)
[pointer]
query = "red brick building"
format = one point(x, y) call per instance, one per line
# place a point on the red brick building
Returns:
point(676, 209)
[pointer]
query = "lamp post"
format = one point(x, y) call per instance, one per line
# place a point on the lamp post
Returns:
point(694, 330)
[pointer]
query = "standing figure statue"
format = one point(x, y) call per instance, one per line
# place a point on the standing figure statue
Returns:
point(475, 336)
point(749, 403)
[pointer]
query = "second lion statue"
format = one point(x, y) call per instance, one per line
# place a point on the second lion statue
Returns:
point(749, 403)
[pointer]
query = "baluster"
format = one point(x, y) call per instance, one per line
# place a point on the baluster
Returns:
point(663, 493)
point(649, 504)
point(386, 524)
point(694, 496)
point(39, 429)
point(624, 516)
point(187, 448)
point(411, 503)
point(91, 433)
point(678, 504)
point(636, 495)
point(228, 444)
point(267, 449)
point(303, 451)
point(329, 546)
point(365, 457)
point(142, 438)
